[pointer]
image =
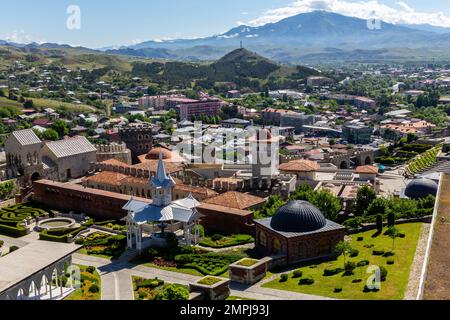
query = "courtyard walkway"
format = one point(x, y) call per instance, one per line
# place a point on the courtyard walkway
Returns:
point(117, 283)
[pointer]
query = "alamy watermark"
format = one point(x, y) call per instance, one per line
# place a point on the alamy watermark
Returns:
point(73, 22)
point(373, 23)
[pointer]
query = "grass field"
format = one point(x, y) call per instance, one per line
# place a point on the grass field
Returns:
point(392, 289)
point(47, 103)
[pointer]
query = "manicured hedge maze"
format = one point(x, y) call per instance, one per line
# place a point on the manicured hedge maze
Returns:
point(11, 217)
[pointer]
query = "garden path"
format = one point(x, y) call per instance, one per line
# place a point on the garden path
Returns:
point(117, 285)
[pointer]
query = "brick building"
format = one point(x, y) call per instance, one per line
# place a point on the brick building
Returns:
point(98, 204)
point(298, 231)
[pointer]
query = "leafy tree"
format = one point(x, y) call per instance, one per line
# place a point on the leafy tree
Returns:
point(393, 233)
point(366, 195)
point(378, 206)
point(50, 134)
point(270, 207)
point(61, 127)
point(327, 203)
point(28, 104)
point(391, 219)
point(343, 248)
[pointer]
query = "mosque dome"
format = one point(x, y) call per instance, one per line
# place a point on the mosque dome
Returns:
point(421, 188)
point(298, 216)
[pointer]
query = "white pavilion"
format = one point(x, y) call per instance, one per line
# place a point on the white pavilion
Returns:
point(162, 210)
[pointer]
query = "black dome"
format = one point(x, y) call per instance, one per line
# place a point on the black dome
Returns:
point(420, 188)
point(298, 216)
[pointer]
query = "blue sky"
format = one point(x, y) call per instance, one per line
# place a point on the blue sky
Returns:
point(118, 22)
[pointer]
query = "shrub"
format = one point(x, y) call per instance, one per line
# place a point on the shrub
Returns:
point(94, 288)
point(331, 272)
point(1, 243)
point(13, 248)
point(297, 274)
point(360, 239)
point(284, 278)
point(367, 289)
point(379, 223)
point(390, 261)
point(90, 269)
point(354, 253)
point(306, 281)
point(363, 263)
point(377, 252)
point(388, 254)
point(356, 280)
point(79, 241)
point(401, 235)
point(216, 237)
point(391, 219)
point(383, 273)
point(349, 267)
point(337, 289)
point(173, 292)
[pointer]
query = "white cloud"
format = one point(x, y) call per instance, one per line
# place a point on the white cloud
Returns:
point(401, 13)
point(20, 36)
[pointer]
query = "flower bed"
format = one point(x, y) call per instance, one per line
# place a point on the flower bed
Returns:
point(247, 262)
point(209, 281)
point(90, 285)
point(156, 289)
point(103, 245)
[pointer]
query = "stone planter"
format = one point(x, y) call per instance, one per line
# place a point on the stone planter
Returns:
point(248, 274)
point(216, 291)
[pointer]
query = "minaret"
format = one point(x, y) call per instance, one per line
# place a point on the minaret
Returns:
point(161, 185)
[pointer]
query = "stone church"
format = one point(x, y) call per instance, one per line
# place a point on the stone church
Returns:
point(30, 159)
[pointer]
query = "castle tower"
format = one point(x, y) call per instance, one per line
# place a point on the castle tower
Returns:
point(161, 185)
point(138, 139)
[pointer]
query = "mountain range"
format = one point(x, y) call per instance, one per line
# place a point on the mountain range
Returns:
point(317, 36)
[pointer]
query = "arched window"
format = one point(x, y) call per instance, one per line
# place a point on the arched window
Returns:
point(262, 239)
point(276, 246)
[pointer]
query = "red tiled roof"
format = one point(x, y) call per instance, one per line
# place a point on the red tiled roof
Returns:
point(367, 169)
point(236, 200)
point(300, 166)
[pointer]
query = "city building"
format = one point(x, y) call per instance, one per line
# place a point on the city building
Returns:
point(297, 121)
point(191, 110)
point(357, 134)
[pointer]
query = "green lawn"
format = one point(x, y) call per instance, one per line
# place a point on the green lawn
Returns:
point(190, 271)
point(392, 289)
